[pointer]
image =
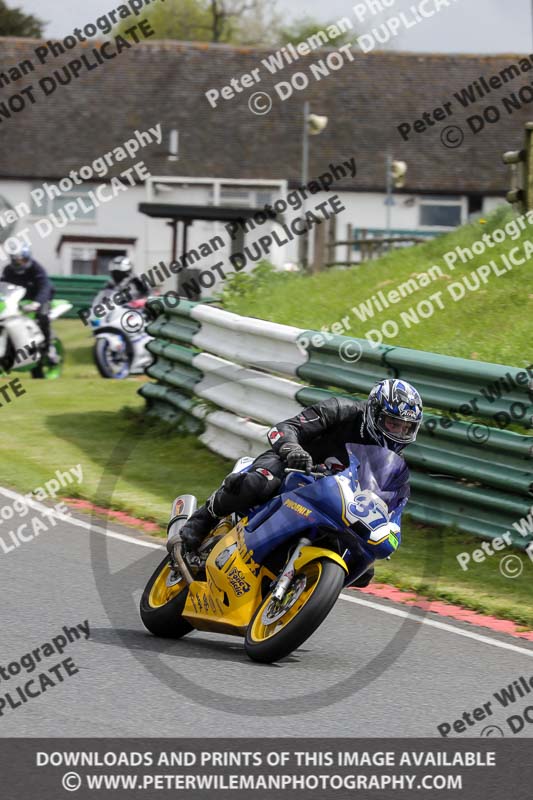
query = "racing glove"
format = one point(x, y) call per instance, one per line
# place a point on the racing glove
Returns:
point(296, 457)
point(33, 306)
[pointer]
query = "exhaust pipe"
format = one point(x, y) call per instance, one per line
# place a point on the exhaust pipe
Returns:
point(182, 508)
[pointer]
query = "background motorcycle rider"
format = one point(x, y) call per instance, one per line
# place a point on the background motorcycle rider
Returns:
point(124, 281)
point(390, 418)
point(24, 271)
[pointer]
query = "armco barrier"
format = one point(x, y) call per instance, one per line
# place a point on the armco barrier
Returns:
point(474, 476)
point(79, 290)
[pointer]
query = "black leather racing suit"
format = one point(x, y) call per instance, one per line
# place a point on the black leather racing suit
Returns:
point(323, 430)
point(39, 289)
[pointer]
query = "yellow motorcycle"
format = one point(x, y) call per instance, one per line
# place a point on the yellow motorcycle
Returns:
point(273, 576)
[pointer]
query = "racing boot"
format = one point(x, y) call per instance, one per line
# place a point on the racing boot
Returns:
point(197, 527)
point(53, 356)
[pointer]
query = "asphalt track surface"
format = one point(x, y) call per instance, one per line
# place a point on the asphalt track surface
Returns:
point(372, 669)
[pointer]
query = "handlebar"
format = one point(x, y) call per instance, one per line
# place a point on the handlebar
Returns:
point(321, 474)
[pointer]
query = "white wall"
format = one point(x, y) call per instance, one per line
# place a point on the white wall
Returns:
point(121, 218)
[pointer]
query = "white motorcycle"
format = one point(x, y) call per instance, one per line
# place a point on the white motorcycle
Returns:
point(121, 339)
point(21, 339)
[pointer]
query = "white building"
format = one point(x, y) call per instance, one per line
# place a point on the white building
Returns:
point(230, 157)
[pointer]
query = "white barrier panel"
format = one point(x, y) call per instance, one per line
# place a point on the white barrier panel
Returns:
point(233, 437)
point(246, 392)
point(248, 341)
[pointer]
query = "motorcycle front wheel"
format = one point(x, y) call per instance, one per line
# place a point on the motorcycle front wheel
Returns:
point(278, 629)
point(162, 604)
point(45, 369)
point(110, 362)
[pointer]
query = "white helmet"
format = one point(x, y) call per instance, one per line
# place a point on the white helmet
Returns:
point(120, 268)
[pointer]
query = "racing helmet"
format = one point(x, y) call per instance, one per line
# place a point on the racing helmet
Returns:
point(120, 268)
point(393, 413)
point(23, 259)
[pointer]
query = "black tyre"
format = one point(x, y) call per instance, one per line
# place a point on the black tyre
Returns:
point(45, 369)
point(162, 606)
point(275, 631)
point(109, 362)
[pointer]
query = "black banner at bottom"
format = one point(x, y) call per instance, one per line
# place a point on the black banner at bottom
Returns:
point(273, 769)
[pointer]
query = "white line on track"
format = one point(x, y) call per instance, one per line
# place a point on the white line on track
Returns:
point(79, 523)
point(443, 626)
point(395, 612)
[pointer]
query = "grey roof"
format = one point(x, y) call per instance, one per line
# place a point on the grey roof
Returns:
point(165, 82)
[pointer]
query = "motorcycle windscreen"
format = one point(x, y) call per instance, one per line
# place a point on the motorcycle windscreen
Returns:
point(7, 290)
point(381, 471)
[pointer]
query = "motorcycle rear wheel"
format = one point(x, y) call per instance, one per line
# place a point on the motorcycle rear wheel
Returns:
point(162, 606)
point(274, 632)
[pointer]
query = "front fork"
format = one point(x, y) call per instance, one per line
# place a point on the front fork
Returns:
point(288, 572)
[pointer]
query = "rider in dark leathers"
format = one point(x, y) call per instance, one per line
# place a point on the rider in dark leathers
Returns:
point(389, 418)
point(24, 271)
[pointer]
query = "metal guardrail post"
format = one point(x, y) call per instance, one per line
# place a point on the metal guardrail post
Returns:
point(521, 163)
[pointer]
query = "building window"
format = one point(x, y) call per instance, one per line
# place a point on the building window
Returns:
point(441, 212)
point(92, 261)
point(84, 213)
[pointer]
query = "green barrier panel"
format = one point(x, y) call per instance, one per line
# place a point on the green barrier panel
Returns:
point(445, 382)
point(183, 377)
point(172, 352)
point(179, 330)
point(432, 459)
point(171, 406)
point(448, 518)
point(80, 290)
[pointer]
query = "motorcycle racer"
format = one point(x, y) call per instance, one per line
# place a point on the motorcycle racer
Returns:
point(24, 271)
point(390, 418)
point(123, 279)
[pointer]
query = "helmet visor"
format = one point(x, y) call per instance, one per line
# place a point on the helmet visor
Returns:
point(397, 429)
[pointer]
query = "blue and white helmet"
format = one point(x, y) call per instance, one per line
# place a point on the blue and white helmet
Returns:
point(393, 414)
point(22, 259)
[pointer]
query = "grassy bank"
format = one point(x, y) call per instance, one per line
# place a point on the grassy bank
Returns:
point(490, 324)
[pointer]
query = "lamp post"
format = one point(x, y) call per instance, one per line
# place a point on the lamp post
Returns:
point(313, 124)
point(395, 178)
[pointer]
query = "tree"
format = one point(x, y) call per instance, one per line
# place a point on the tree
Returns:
point(246, 22)
point(226, 21)
point(13, 22)
point(303, 28)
